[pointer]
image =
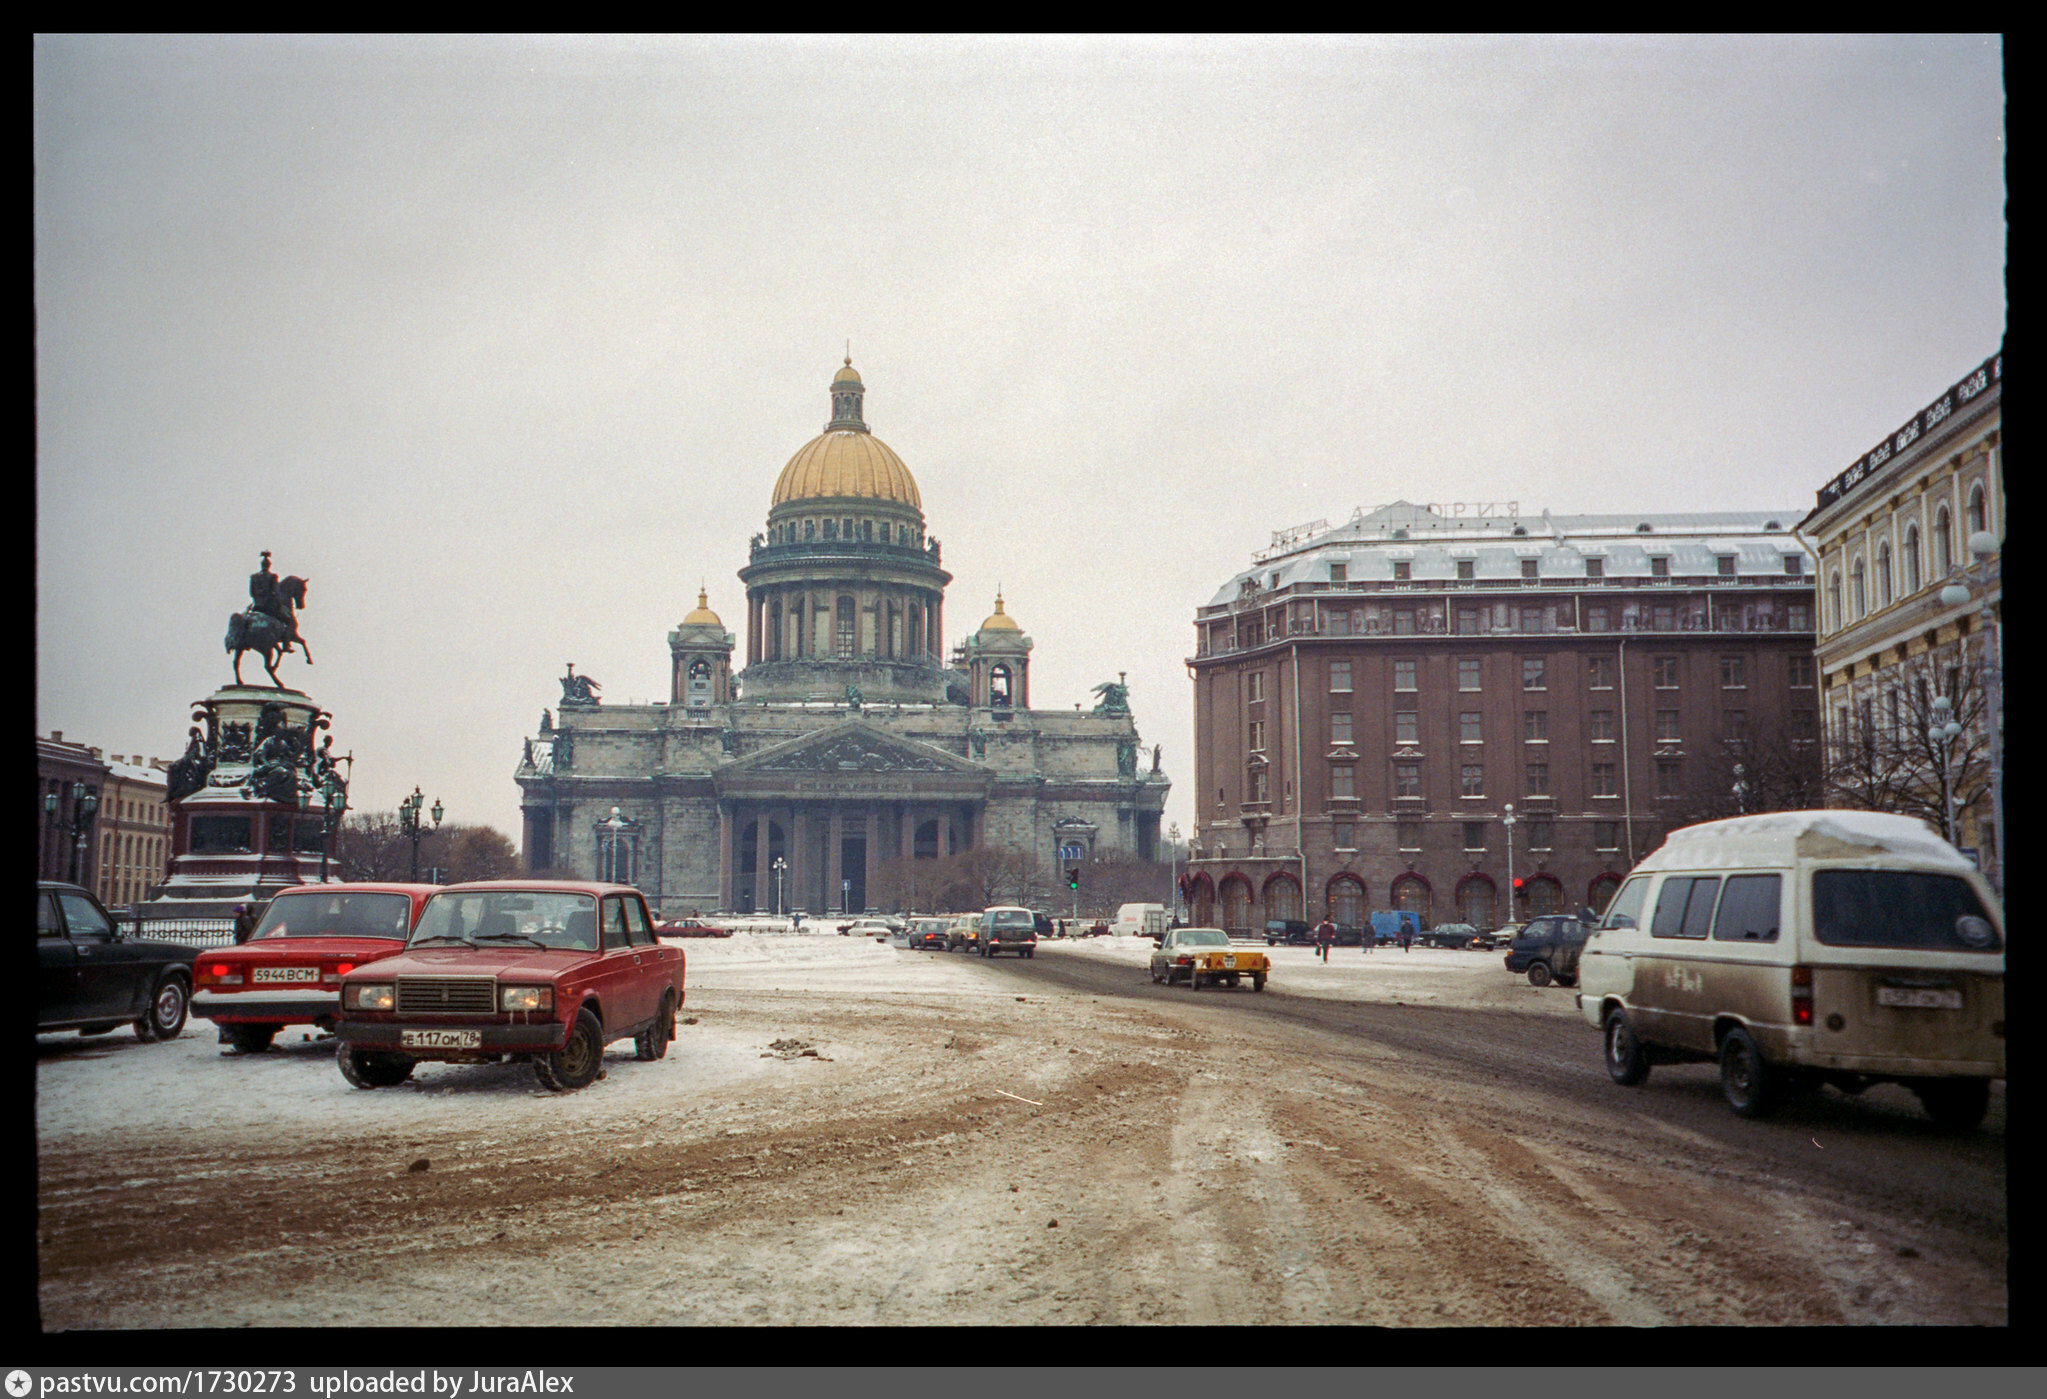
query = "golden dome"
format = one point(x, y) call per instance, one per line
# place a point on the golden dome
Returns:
point(847, 463)
point(848, 375)
point(1000, 620)
point(703, 616)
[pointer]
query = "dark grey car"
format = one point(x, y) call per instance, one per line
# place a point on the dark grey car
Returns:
point(1547, 949)
point(91, 979)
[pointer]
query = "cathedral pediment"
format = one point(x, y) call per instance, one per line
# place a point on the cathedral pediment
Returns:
point(853, 753)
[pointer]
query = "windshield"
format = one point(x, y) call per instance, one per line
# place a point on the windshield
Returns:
point(510, 918)
point(1899, 908)
point(1203, 937)
point(336, 915)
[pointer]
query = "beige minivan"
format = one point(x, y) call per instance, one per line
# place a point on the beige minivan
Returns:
point(1801, 948)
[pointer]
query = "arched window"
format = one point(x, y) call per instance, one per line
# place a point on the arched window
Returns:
point(1347, 901)
point(1411, 895)
point(998, 687)
point(848, 639)
point(867, 531)
point(1912, 579)
point(1883, 574)
point(1858, 589)
point(1943, 544)
point(809, 530)
point(1236, 905)
point(1834, 600)
point(1601, 891)
point(1475, 901)
point(1979, 519)
point(1282, 897)
point(1543, 895)
point(1202, 901)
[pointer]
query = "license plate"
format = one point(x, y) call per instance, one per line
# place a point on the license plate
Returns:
point(1921, 997)
point(441, 1039)
point(1229, 961)
point(285, 974)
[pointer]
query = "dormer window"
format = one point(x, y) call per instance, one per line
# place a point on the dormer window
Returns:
point(1403, 571)
point(1466, 569)
point(1595, 568)
point(1528, 568)
point(1659, 567)
point(1725, 564)
point(1339, 573)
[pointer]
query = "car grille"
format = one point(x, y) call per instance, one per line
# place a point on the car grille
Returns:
point(427, 994)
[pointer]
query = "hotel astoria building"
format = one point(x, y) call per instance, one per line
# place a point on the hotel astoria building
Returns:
point(1381, 706)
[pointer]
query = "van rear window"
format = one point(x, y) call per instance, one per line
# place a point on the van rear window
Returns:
point(1897, 908)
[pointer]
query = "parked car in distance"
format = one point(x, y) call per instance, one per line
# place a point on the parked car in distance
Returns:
point(1499, 937)
point(289, 971)
point(689, 928)
point(1461, 935)
point(868, 928)
point(1008, 929)
point(1205, 955)
point(92, 979)
point(927, 934)
point(545, 970)
point(1294, 932)
point(1547, 949)
point(1042, 921)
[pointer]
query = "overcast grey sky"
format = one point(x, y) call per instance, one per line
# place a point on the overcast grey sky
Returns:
point(503, 342)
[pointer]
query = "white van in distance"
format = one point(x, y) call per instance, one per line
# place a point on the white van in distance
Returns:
point(1141, 920)
point(1801, 948)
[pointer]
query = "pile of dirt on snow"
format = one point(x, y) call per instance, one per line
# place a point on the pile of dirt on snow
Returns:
point(793, 1049)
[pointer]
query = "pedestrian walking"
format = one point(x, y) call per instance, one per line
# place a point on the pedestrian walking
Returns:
point(1406, 938)
point(245, 923)
point(1325, 937)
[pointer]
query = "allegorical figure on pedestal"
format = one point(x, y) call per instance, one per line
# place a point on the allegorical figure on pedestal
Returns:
point(269, 625)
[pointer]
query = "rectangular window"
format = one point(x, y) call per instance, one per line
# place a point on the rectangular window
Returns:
point(1343, 781)
point(1403, 621)
point(1734, 724)
point(1403, 571)
point(1606, 835)
point(1664, 670)
point(1339, 573)
point(1724, 565)
point(1535, 619)
point(1599, 672)
point(1538, 779)
point(1474, 835)
point(1599, 726)
point(1257, 742)
point(1404, 676)
point(1684, 907)
point(1528, 568)
point(1534, 673)
point(1345, 835)
point(1595, 568)
point(1410, 835)
point(1794, 565)
point(1669, 777)
point(1338, 622)
point(1257, 785)
point(1799, 670)
point(1798, 616)
point(1339, 728)
point(1596, 618)
point(1666, 726)
point(1602, 779)
point(1748, 909)
point(1471, 780)
point(1407, 726)
point(1468, 672)
point(1254, 686)
point(1733, 672)
point(1470, 727)
point(1407, 779)
point(1535, 725)
point(1663, 617)
point(1467, 621)
point(1339, 677)
point(1803, 724)
point(1659, 567)
point(1893, 908)
point(1541, 834)
point(1466, 569)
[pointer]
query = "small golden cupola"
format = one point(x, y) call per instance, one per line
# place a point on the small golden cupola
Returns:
point(700, 652)
point(999, 664)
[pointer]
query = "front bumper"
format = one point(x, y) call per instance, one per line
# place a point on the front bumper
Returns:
point(540, 1037)
point(287, 1005)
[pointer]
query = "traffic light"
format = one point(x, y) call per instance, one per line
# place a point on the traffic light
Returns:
point(1517, 885)
point(1073, 877)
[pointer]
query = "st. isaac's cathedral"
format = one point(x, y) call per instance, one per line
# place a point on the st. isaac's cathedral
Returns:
point(848, 740)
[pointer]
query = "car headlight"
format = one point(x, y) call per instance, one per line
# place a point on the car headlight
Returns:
point(525, 998)
point(376, 995)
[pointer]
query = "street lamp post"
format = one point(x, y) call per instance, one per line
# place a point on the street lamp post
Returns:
point(1740, 790)
point(612, 829)
point(1945, 732)
point(83, 805)
point(780, 867)
point(408, 824)
point(1982, 544)
point(1513, 907)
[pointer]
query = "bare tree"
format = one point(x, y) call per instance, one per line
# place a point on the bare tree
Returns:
point(1894, 755)
point(1752, 773)
point(372, 846)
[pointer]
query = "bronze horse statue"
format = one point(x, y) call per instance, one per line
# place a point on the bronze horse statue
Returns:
point(266, 633)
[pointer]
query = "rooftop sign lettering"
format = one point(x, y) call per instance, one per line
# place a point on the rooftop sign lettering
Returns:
point(1985, 376)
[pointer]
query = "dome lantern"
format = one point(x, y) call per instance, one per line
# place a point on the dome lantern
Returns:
point(847, 392)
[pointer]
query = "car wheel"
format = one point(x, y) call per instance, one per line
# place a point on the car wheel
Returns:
point(1571, 980)
point(1626, 1061)
point(1193, 980)
point(652, 1042)
point(1748, 1080)
point(1257, 981)
point(1958, 1103)
point(252, 1039)
point(577, 1063)
point(368, 1069)
point(1538, 974)
point(165, 1018)
point(1155, 977)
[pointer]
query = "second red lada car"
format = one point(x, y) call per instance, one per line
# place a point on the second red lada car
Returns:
point(289, 971)
point(545, 970)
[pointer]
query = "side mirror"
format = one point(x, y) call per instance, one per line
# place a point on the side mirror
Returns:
point(1587, 916)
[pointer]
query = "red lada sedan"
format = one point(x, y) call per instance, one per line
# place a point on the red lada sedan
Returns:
point(289, 971)
point(545, 970)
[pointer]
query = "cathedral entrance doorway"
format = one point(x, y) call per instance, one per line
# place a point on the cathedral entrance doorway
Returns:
point(853, 861)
